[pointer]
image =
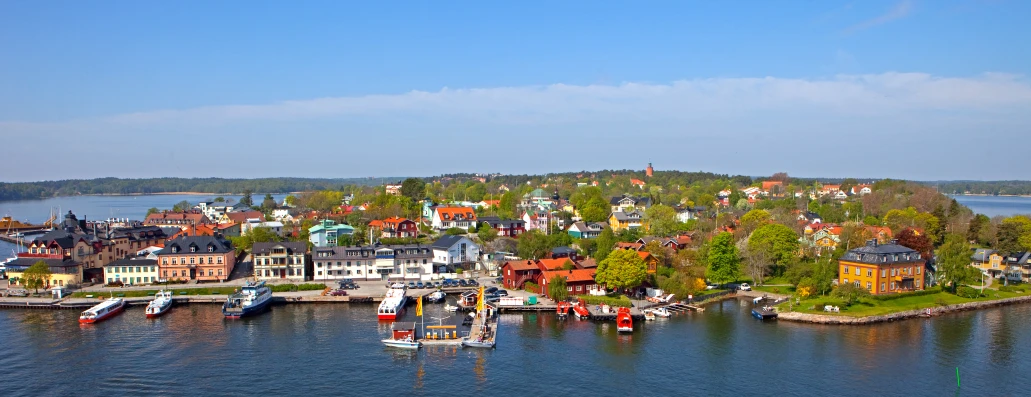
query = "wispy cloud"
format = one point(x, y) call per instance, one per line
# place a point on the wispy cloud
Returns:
point(898, 11)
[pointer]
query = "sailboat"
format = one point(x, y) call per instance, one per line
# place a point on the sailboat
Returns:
point(485, 326)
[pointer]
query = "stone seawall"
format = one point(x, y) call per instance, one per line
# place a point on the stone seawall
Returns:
point(928, 312)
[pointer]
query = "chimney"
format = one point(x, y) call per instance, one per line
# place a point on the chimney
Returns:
point(871, 242)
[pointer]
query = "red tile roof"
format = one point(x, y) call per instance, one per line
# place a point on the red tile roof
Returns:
point(553, 264)
point(575, 275)
point(520, 265)
point(450, 213)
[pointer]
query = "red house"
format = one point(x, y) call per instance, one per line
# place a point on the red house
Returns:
point(578, 281)
point(395, 227)
point(516, 273)
point(505, 227)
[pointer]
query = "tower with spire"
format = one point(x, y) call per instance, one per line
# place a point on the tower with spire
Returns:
point(649, 171)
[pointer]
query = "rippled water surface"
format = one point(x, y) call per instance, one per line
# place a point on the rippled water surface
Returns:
point(335, 350)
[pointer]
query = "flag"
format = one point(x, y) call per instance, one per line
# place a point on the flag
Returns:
point(418, 309)
point(479, 300)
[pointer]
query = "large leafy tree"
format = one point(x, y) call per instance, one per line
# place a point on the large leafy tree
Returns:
point(850, 293)
point(486, 233)
point(533, 245)
point(36, 276)
point(605, 242)
point(1015, 234)
point(594, 210)
point(622, 269)
point(779, 242)
point(269, 203)
point(754, 219)
point(557, 288)
point(722, 259)
point(661, 220)
point(953, 261)
point(413, 188)
point(182, 206)
point(919, 242)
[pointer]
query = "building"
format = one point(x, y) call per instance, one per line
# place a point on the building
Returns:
point(181, 220)
point(515, 274)
point(393, 189)
point(538, 198)
point(586, 229)
point(327, 232)
point(63, 271)
point(132, 271)
point(395, 262)
point(282, 260)
point(625, 220)
point(649, 171)
point(505, 227)
point(242, 217)
point(201, 258)
point(627, 203)
point(882, 268)
point(565, 252)
point(453, 217)
point(685, 213)
point(451, 252)
point(536, 220)
point(395, 227)
point(578, 281)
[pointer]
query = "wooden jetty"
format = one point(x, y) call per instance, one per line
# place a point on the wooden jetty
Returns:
point(764, 313)
point(598, 315)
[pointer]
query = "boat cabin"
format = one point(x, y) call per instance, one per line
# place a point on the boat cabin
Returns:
point(402, 331)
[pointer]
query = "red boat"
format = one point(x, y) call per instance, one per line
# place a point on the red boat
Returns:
point(624, 323)
point(580, 310)
point(103, 311)
point(563, 309)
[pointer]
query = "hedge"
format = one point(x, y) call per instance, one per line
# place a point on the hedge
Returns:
point(297, 287)
point(929, 291)
point(620, 301)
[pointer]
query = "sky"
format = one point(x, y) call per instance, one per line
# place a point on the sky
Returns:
point(921, 90)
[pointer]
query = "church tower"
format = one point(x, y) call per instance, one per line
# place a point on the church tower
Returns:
point(648, 171)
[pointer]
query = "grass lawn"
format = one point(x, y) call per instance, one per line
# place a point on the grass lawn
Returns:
point(776, 280)
point(874, 307)
point(146, 293)
point(786, 290)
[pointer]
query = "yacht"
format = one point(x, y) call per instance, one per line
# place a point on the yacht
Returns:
point(161, 304)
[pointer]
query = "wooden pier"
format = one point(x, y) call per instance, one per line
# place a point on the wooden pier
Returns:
point(598, 315)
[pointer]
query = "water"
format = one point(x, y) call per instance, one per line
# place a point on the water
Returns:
point(335, 350)
point(996, 205)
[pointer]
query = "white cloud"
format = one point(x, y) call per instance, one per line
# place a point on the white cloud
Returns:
point(898, 11)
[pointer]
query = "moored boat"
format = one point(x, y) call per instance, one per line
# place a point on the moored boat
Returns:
point(580, 310)
point(649, 315)
point(252, 299)
point(393, 303)
point(485, 325)
point(161, 304)
point(450, 308)
point(663, 312)
point(102, 311)
point(436, 297)
point(402, 335)
point(624, 323)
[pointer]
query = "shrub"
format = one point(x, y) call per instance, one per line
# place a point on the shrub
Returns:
point(620, 301)
point(929, 291)
point(530, 286)
point(459, 271)
point(967, 292)
point(1013, 288)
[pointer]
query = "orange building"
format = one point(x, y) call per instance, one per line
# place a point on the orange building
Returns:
point(882, 268)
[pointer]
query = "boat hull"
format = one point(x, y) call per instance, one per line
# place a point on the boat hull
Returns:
point(103, 317)
point(481, 345)
point(625, 329)
point(247, 311)
point(401, 344)
point(391, 316)
point(160, 312)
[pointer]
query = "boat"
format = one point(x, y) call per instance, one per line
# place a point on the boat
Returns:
point(485, 326)
point(450, 308)
point(161, 304)
point(663, 312)
point(393, 303)
point(764, 313)
point(649, 315)
point(580, 310)
point(562, 310)
point(402, 335)
point(252, 299)
point(624, 323)
point(436, 297)
point(102, 311)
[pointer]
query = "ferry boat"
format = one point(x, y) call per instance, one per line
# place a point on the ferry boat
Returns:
point(161, 304)
point(402, 335)
point(102, 311)
point(393, 303)
point(624, 323)
point(252, 299)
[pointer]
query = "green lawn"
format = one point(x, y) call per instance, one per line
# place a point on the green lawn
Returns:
point(874, 307)
point(786, 290)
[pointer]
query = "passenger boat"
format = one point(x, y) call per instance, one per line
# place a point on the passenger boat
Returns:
point(161, 304)
point(393, 303)
point(102, 311)
point(663, 312)
point(252, 299)
point(485, 325)
point(624, 323)
point(436, 297)
point(402, 335)
point(649, 315)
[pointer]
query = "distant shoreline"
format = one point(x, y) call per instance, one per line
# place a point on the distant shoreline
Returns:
point(148, 194)
point(990, 195)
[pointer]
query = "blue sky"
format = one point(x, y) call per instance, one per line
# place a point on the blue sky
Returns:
point(340, 89)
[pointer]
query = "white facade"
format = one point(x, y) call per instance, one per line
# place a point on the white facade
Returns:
point(275, 226)
point(463, 250)
point(130, 273)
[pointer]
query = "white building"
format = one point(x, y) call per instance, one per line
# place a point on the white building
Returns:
point(394, 262)
point(284, 261)
point(453, 217)
point(275, 226)
point(132, 271)
point(450, 252)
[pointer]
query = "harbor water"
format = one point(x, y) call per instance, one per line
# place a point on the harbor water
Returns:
point(309, 349)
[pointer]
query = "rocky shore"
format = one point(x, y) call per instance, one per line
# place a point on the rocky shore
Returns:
point(928, 312)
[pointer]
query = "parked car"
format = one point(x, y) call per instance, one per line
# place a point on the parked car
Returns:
point(437, 284)
point(411, 284)
point(462, 283)
point(472, 283)
point(745, 287)
point(419, 285)
point(501, 292)
point(491, 290)
point(710, 287)
point(338, 292)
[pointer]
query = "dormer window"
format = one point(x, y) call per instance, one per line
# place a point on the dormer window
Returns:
point(211, 248)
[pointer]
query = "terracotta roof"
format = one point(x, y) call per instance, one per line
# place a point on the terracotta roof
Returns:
point(767, 185)
point(242, 216)
point(644, 255)
point(450, 213)
point(633, 246)
point(553, 264)
point(162, 218)
point(588, 263)
point(637, 182)
point(520, 265)
point(575, 275)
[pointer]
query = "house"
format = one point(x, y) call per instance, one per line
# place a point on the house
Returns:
point(626, 203)
point(637, 182)
point(538, 198)
point(673, 243)
point(201, 258)
point(565, 252)
point(549, 264)
point(282, 260)
point(214, 210)
point(395, 227)
point(650, 260)
point(177, 219)
point(862, 189)
point(1018, 265)
point(453, 217)
point(505, 227)
point(882, 268)
point(774, 188)
point(586, 229)
point(63, 270)
point(828, 189)
point(273, 226)
point(451, 252)
point(636, 246)
point(515, 274)
point(625, 220)
point(379, 262)
point(132, 271)
point(840, 195)
point(578, 281)
point(536, 220)
point(753, 192)
point(393, 189)
point(286, 214)
point(685, 213)
point(328, 232)
point(989, 262)
point(809, 217)
point(587, 263)
point(241, 217)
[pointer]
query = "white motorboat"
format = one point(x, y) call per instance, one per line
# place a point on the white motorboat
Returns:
point(402, 335)
point(161, 304)
point(448, 307)
point(649, 315)
point(662, 312)
point(393, 303)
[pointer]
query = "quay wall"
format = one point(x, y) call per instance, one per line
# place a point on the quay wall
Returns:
point(928, 312)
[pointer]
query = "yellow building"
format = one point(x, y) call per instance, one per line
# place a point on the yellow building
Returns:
point(882, 268)
point(63, 272)
point(625, 220)
point(988, 262)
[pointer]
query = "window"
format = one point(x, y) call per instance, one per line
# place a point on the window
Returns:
point(318, 265)
point(173, 261)
point(210, 260)
point(884, 273)
point(918, 270)
point(882, 287)
point(892, 285)
point(209, 272)
point(318, 273)
point(869, 286)
point(857, 284)
point(218, 260)
point(219, 272)
point(846, 270)
point(869, 273)
point(191, 260)
point(846, 281)
point(858, 270)
point(175, 273)
point(193, 249)
point(166, 273)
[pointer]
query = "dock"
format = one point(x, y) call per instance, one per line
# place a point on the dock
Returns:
point(762, 313)
point(598, 315)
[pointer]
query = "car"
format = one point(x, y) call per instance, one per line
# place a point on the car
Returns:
point(462, 283)
point(411, 284)
point(17, 292)
point(419, 285)
point(472, 283)
point(501, 292)
point(491, 290)
point(710, 287)
point(437, 284)
point(338, 292)
point(745, 287)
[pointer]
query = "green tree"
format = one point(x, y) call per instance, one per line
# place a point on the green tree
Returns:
point(849, 293)
point(455, 231)
point(414, 189)
point(661, 220)
point(269, 203)
point(954, 261)
point(976, 227)
point(753, 219)
point(153, 210)
point(475, 192)
point(37, 276)
point(220, 199)
point(622, 269)
point(247, 199)
point(722, 259)
point(486, 233)
point(557, 288)
point(595, 210)
point(604, 243)
point(182, 206)
point(778, 242)
point(290, 200)
point(533, 245)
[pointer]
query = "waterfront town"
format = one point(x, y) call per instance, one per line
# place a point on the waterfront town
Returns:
point(644, 239)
